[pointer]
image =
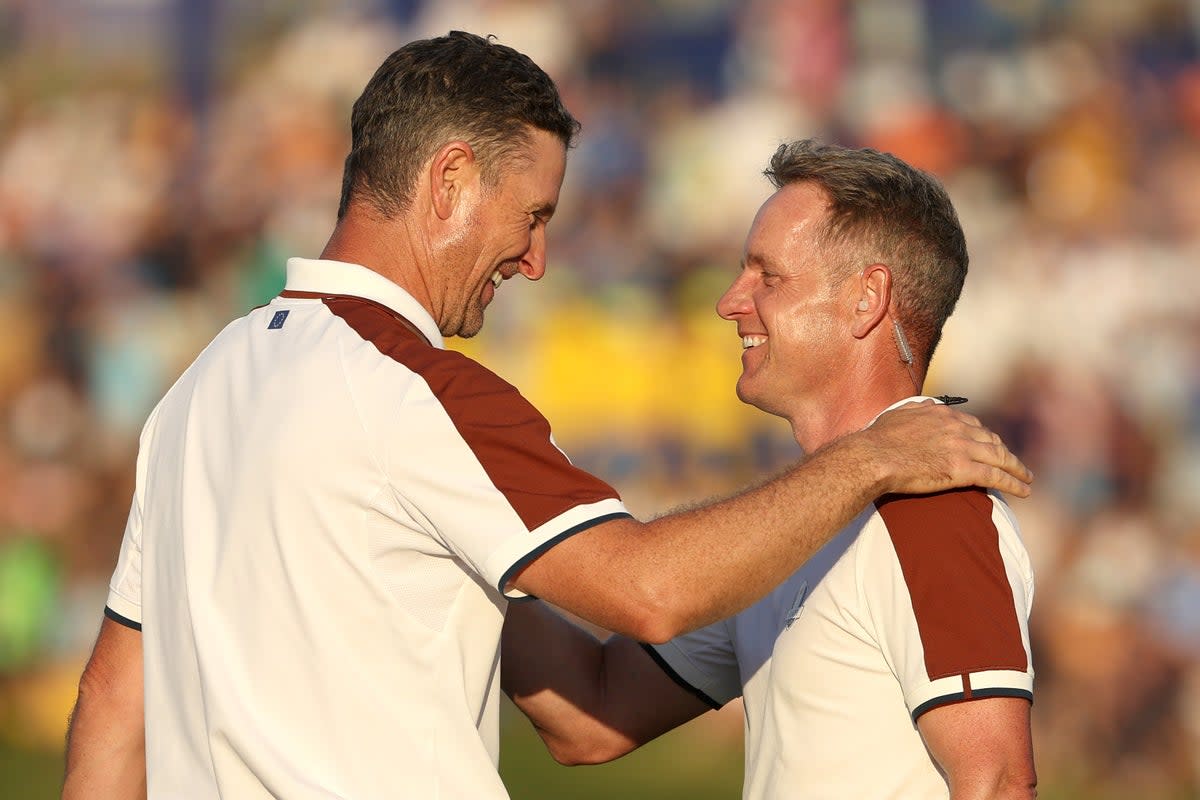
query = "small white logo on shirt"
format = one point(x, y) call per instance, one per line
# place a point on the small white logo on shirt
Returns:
point(797, 606)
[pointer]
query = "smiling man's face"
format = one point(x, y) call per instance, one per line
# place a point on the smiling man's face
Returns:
point(504, 233)
point(786, 303)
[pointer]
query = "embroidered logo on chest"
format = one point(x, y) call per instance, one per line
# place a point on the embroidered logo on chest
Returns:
point(797, 605)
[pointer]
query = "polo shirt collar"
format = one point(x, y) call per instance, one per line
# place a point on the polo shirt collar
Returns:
point(325, 276)
point(914, 399)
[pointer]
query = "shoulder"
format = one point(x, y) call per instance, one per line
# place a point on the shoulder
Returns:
point(457, 381)
point(904, 513)
point(946, 522)
point(956, 550)
point(954, 543)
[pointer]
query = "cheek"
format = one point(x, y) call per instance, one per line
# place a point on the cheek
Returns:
point(802, 334)
point(518, 239)
point(792, 327)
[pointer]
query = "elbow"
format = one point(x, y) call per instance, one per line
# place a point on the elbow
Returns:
point(1019, 782)
point(1021, 786)
point(652, 605)
point(1012, 784)
point(597, 749)
point(653, 615)
point(655, 630)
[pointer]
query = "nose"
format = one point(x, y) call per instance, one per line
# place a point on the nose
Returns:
point(533, 263)
point(736, 300)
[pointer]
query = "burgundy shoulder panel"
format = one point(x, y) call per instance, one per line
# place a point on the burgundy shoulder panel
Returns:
point(949, 552)
point(508, 435)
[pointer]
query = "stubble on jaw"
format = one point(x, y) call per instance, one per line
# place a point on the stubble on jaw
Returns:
point(467, 317)
point(472, 319)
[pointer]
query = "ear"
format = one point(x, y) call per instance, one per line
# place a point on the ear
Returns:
point(872, 296)
point(453, 174)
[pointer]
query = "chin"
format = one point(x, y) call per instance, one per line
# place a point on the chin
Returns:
point(469, 328)
point(472, 322)
point(752, 398)
point(747, 396)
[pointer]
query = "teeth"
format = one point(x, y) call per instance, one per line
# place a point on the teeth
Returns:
point(752, 341)
point(496, 278)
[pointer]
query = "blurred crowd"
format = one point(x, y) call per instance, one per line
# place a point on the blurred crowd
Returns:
point(160, 160)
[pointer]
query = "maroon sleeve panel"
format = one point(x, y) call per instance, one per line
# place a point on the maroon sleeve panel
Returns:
point(949, 553)
point(508, 436)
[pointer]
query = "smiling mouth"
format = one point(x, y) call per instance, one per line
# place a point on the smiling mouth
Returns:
point(752, 341)
point(497, 277)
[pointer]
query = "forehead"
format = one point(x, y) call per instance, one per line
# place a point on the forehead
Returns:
point(791, 218)
point(539, 169)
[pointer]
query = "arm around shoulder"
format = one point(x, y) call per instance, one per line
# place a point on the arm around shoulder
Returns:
point(106, 743)
point(653, 581)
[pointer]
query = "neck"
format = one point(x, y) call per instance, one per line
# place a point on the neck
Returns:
point(384, 246)
point(850, 405)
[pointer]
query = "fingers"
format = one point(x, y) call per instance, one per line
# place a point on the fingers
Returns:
point(1012, 478)
point(933, 447)
point(1014, 467)
point(1005, 471)
point(991, 465)
point(991, 451)
point(1004, 482)
point(1008, 474)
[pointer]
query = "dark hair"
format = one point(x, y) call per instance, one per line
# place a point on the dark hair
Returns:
point(882, 210)
point(432, 91)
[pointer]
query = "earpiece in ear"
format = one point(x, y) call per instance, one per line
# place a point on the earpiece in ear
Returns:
point(862, 305)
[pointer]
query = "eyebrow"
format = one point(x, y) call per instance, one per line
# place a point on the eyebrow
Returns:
point(760, 261)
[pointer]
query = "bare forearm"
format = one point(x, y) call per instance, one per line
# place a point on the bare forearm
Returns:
point(106, 755)
point(749, 543)
point(589, 701)
point(552, 671)
point(106, 742)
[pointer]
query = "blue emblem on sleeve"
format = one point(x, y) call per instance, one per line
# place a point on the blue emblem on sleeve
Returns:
point(277, 320)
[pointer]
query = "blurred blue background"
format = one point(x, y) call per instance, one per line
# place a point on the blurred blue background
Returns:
point(159, 161)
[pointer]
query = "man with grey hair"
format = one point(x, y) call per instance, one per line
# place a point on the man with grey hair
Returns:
point(896, 661)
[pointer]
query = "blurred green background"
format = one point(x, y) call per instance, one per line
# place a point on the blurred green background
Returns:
point(160, 159)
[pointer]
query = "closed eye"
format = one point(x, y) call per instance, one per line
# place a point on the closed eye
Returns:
point(541, 216)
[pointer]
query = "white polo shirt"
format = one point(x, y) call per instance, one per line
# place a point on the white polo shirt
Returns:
point(328, 507)
point(921, 601)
